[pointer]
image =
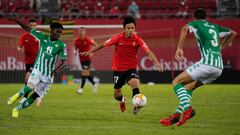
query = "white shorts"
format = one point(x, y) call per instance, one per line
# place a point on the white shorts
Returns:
point(204, 73)
point(41, 82)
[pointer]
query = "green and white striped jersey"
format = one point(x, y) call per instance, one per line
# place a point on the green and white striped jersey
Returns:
point(48, 53)
point(208, 39)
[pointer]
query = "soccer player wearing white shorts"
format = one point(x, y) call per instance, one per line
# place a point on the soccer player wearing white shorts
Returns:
point(208, 69)
point(45, 65)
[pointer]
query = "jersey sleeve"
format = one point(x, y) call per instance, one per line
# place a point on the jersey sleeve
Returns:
point(91, 41)
point(63, 52)
point(37, 34)
point(21, 41)
point(143, 45)
point(112, 41)
point(192, 27)
point(223, 31)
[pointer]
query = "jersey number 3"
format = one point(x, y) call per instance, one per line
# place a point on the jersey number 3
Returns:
point(214, 34)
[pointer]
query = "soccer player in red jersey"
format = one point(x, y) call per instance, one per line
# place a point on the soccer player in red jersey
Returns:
point(124, 64)
point(84, 43)
point(29, 45)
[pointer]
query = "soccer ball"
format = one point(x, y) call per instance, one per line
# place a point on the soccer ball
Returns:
point(139, 100)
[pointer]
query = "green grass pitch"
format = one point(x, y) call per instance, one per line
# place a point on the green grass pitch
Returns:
point(64, 112)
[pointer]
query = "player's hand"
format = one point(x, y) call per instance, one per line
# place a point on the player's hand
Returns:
point(85, 53)
point(20, 49)
point(91, 54)
point(179, 55)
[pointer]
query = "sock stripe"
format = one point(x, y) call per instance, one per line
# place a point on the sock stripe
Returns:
point(181, 92)
point(184, 102)
point(187, 105)
point(179, 110)
point(180, 96)
point(189, 97)
point(184, 98)
point(180, 89)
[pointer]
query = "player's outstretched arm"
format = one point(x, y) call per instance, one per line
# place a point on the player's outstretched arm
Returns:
point(24, 26)
point(228, 39)
point(179, 52)
point(94, 49)
point(152, 57)
point(59, 67)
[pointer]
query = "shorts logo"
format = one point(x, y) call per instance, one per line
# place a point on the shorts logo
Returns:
point(32, 74)
point(134, 74)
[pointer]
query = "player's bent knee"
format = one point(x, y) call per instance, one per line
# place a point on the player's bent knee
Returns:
point(175, 82)
point(134, 83)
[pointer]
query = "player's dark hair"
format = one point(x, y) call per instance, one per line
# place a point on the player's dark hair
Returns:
point(56, 25)
point(127, 20)
point(32, 20)
point(200, 14)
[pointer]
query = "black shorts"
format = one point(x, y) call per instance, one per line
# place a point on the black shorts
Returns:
point(121, 77)
point(29, 67)
point(86, 64)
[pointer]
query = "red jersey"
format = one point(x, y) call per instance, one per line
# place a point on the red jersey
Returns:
point(30, 45)
point(83, 45)
point(125, 55)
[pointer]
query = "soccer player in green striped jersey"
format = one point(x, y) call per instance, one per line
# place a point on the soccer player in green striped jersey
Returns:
point(45, 67)
point(208, 69)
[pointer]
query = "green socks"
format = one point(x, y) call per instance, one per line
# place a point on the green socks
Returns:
point(184, 97)
point(28, 102)
point(25, 90)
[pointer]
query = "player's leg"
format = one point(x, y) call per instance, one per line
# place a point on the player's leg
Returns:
point(25, 90)
point(133, 81)
point(90, 78)
point(39, 92)
point(134, 84)
point(25, 104)
point(29, 68)
point(180, 109)
point(34, 79)
point(83, 81)
point(42, 89)
point(119, 81)
point(184, 101)
point(203, 74)
point(184, 94)
point(189, 87)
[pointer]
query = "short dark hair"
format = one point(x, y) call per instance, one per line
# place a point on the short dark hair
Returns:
point(56, 25)
point(127, 20)
point(82, 27)
point(32, 20)
point(200, 14)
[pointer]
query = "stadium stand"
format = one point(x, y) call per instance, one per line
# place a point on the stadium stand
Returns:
point(149, 9)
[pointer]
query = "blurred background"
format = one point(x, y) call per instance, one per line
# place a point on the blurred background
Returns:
point(158, 22)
